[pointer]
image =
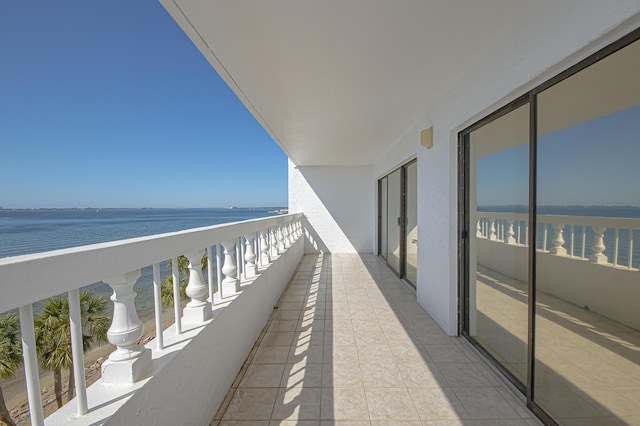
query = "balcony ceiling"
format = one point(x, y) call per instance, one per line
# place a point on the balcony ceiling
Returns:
point(337, 82)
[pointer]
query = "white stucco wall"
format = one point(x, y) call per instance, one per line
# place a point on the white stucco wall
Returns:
point(338, 204)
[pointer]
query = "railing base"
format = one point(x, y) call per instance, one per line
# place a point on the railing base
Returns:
point(197, 314)
point(127, 372)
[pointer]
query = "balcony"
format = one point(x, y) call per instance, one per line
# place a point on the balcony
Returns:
point(346, 339)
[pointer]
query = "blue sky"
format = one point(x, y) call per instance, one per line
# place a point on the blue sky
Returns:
point(108, 104)
point(591, 163)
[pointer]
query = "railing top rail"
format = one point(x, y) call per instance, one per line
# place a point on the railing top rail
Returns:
point(32, 277)
point(609, 222)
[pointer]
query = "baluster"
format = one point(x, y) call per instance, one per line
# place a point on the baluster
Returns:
point(175, 274)
point(286, 233)
point(198, 309)
point(492, 229)
point(274, 241)
point(130, 362)
point(264, 248)
point(229, 269)
point(157, 303)
point(281, 244)
point(598, 246)
point(218, 273)
point(210, 275)
point(526, 233)
point(30, 358)
point(615, 247)
point(509, 233)
point(572, 235)
point(558, 241)
point(518, 232)
point(478, 229)
point(242, 271)
point(584, 238)
point(250, 257)
point(77, 352)
point(630, 261)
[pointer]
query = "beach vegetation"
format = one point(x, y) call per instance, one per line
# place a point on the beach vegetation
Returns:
point(53, 335)
point(10, 357)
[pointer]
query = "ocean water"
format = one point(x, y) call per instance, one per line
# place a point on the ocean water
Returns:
point(34, 231)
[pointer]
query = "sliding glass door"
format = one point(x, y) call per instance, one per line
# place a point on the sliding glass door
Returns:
point(497, 285)
point(550, 240)
point(398, 220)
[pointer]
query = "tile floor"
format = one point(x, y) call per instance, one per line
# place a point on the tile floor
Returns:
point(349, 345)
point(588, 366)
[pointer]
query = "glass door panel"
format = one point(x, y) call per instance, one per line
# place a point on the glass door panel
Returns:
point(383, 217)
point(411, 223)
point(587, 343)
point(496, 309)
point(394, 196)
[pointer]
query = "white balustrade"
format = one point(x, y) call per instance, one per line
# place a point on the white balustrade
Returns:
point(264, 248)
point(250, 257)
point(229, 269)
point(130, 362)
point(620, 233)
point(70, 269)
point(198, 309)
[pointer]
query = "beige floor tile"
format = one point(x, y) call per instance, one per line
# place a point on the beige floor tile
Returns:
point(437, 404)
point(446, 353)
point(344, 404)
point(375, 354)
point(463, 374)
point(263, 376)
point(302, 374)
point(381, 376)
point(390, 404)
point(485, 403)
point(307, 353)
point(251, 404)
point(297, 403)
point(271, 355)
point(278, 339)
point(421, 375)
point(344, 374)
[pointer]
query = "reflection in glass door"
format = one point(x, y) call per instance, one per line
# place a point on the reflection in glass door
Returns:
point(587, 343)
point(497, 282)
point(550, 240)
point(411, 223)
point(394, 197)
point(382, 245)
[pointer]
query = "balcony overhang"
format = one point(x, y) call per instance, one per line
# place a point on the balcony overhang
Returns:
point(338, 83)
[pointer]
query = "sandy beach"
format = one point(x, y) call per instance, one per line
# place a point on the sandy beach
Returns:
point(15, 392)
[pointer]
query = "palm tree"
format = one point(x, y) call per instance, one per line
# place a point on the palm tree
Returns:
point(10, 357)
point(53, 335)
